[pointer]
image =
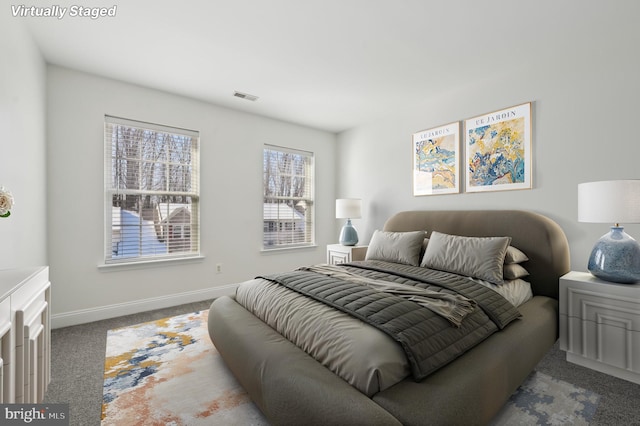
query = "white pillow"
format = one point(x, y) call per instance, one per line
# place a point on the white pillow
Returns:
point(514, 271)
point(397, 247)
point(514, 255)
point(478, 257)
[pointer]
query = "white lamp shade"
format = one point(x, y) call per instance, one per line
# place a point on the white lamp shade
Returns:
point(612, 201)
point(348, 208)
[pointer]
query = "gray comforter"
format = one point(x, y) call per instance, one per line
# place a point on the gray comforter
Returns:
point(363, 356)
point(429, 341)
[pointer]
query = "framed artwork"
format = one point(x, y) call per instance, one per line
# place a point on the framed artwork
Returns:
point(498, 150)
point(436, 158)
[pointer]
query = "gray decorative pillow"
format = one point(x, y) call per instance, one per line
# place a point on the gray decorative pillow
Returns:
point(514, 255)
point(478, 257)
point(398, 247)
point(514, 271)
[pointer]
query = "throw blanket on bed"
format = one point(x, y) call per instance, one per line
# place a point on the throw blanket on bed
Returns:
point(500, 310)
point(452, 307)
point(413, 326)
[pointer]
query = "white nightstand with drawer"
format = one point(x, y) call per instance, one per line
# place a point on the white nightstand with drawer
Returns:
point(337, 253)
point(600, 324)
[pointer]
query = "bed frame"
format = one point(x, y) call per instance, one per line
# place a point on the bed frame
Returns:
point(290, 387)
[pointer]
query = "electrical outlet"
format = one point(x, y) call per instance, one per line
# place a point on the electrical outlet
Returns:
point(218, 268)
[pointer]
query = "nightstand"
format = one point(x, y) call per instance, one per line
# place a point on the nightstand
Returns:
point(600, 324)
point(337, 253)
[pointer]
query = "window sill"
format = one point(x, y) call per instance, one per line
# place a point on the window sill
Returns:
point(286, 249)
point(110, 267)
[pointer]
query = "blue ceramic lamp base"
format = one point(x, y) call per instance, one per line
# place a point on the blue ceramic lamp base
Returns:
point(616, 257)
point(348, 234)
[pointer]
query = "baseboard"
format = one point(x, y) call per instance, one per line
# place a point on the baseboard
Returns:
point(83, 316)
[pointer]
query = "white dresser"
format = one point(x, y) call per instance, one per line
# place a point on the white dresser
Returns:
point(600, 324)
point(25, 334)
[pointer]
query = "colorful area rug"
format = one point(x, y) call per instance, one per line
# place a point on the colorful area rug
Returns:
point(167, 372)
point(543, 400)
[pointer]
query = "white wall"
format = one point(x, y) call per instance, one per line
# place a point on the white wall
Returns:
point(231, 197)
point(585, 92)
point(22, 146)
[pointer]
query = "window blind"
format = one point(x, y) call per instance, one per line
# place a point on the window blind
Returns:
point(151, 191)
point(288, 197)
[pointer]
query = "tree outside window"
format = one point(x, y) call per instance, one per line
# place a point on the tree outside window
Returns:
point(288, 199)
point(151, 191)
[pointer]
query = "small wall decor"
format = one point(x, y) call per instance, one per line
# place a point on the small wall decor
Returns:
point(6, 202)
point(436, 156)
point(498, 150)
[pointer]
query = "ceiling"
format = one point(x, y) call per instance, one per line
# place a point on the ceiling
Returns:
point(327, 64)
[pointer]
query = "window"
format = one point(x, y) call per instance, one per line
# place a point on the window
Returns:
point(151, 191)
point(287, 198)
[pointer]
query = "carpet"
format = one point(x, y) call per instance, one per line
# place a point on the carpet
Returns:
point(167, 372)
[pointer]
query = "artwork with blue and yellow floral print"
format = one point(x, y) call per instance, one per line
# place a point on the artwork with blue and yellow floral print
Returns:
point(498, 150)
point(435, 160)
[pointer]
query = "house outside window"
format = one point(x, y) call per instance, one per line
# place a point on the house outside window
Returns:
point(151, 191)
point(288, 199)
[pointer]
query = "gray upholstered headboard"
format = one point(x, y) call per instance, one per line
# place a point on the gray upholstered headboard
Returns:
point(539, 237)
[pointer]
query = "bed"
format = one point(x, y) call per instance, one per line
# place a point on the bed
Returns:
point(304, 383)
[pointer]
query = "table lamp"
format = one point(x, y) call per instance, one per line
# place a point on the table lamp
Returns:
point(615, 256)
point(348, 208)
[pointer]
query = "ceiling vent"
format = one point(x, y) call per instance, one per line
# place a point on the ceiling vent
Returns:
point(246, 96)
